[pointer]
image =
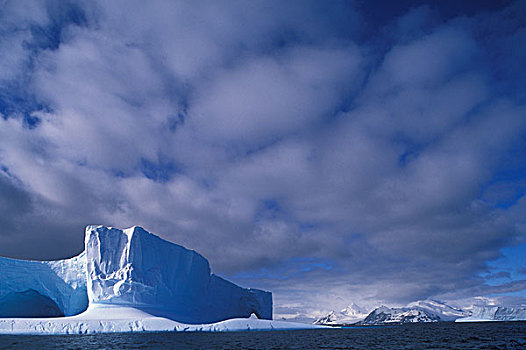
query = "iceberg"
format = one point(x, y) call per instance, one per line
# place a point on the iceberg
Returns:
point(133, 267)
point(127, 280)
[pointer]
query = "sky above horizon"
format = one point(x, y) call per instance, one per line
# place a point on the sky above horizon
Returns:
point(331, 152)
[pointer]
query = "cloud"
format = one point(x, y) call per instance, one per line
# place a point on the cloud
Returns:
point(270, 97)
point(295, 150)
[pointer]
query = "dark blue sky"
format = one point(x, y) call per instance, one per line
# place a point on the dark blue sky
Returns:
point(332, 152)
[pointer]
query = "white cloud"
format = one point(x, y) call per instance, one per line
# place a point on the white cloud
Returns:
point(267, 98)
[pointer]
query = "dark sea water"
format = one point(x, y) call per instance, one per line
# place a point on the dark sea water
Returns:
point(447, 335)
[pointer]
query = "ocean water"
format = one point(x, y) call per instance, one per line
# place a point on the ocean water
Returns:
point(446, 335)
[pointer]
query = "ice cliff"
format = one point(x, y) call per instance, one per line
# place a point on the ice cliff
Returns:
point(128, 268)
point(43, 288)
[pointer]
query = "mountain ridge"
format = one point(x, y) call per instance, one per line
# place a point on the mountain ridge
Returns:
point(428, 310)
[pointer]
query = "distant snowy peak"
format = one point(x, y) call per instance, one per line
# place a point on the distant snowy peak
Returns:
point(349, 315)
point(330, 319)
point(421, 311)
point(495, 313)
point(418, 311)
point(444, 311)
point(354, 311)
point(386, 315)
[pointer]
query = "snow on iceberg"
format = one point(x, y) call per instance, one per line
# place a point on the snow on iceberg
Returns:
point(127, 280)
point(114, 318)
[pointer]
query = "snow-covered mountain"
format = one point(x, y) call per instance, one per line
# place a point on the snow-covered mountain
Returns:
point(495, 313)
point(386, 315)
point(418, 311)
point(349, 315)
point(444, 311)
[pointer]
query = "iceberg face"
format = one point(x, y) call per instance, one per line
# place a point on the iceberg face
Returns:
point(43, 288)
point(133, 267)
point(126, 268)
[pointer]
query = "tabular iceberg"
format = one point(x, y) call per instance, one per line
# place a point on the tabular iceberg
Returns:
point(133, 267)
point(126, 280)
